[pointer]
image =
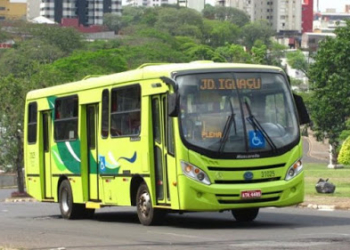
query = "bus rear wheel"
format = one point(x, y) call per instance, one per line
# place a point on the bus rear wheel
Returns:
point(145, 211)
point(245, 215)
point(69, 209)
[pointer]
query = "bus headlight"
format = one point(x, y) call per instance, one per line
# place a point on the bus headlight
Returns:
point(194, 173)
point(294, 170)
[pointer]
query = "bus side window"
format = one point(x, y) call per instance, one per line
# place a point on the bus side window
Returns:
point(66, 118)
point(105, 113)
point(32, 122)
point(126, 111)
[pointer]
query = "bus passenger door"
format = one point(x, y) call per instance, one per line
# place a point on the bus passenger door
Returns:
point(46, 144)
point(160, 150)
point(91, 130)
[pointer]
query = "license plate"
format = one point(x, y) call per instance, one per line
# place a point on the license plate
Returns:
point(251, 194)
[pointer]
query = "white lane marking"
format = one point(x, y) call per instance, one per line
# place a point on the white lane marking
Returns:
point(182, 235)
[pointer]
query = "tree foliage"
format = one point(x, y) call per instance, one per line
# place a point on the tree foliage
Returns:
point(259, 30)
point(13, 91)
point(218, 33)
point(81, 64)
point(232, 15)
point(234, 53)
point(329, 76)
point(180, 22)
point(344, 153)
point(297, 60)
point(67, 39)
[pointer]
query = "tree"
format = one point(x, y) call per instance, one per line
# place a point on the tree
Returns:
point(151, 51)
point(132, 15)
point(202, 52)
point(259, 30)
point(259, 52)
point(79, 65)
point(218, 33)
point(234, 53)
point(67, 39)
point(113, 22)
point(329, 76)
point(276, 52)
point(297, 60)
point(182, 22)
point(21, 60)
point(232, 15)
point(13, 91)
point(344, 153)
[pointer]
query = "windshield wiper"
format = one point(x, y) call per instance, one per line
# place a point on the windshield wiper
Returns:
point(257, 126)
point(227, 126)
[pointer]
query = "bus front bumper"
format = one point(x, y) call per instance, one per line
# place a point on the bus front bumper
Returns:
point(195, 196)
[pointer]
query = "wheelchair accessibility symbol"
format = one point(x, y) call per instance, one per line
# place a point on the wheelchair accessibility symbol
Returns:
point(256, 139)
point(102, 163)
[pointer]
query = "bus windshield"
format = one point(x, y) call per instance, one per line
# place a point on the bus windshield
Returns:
point(237, 112)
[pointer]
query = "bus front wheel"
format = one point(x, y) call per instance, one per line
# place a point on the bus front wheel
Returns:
point(245, 215)
point(69, 209)
point(145, 211)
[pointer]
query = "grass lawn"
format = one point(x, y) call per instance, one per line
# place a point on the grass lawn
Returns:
point(339, 177)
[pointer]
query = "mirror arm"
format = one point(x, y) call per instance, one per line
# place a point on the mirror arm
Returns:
point(170, 82)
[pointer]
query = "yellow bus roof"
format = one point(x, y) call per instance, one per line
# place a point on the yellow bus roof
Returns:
point(145, 71)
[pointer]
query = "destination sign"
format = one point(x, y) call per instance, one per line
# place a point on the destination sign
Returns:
point(229, 83)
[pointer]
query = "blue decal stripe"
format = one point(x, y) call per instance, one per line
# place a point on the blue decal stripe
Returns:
point(131, 160)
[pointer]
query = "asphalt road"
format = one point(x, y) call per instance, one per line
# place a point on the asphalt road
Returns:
point(307, 158)
point(34, 225)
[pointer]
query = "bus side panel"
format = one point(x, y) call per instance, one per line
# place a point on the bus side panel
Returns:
point(119, 159)
point(33, 159)
point(32, 172)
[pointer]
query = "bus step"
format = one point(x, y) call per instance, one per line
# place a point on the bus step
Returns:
point(92, 205)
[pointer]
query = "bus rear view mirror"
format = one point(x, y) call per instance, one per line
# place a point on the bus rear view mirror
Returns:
point(304, 117)
point(173, 105)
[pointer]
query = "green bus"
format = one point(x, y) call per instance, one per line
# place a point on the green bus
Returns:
point(199, 136)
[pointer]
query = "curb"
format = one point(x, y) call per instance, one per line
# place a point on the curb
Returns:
point(323, 207)
point(20, 199)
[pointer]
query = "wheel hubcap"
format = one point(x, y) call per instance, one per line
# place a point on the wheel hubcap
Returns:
point(64, 197)
point(145, 204)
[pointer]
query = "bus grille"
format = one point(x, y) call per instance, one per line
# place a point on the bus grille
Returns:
point(235, 175)
point(236, 169)
point(246, 181)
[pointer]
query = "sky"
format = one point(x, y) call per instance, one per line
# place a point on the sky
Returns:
point(327, 4)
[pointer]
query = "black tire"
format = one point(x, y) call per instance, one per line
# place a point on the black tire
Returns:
point(147, 214)
point(69, 209)
point(245, 215)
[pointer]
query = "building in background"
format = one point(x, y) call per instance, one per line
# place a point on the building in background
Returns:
point(88, 12)
point(327, 22)
point(149, 3)
point(193, 4)
point(284, 16)
point(307, 16)
point(33, 9)
point(12, 10)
